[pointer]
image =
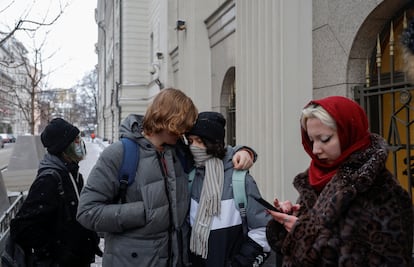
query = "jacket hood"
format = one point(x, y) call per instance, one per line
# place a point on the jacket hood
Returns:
point(131, 127)
point(51, 161)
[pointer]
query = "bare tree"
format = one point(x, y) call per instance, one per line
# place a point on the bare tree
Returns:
point(26, 23)
point(87, 89)
point(23, 89)
point(25, 86)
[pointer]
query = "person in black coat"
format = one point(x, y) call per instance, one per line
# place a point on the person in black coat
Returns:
point(46, 225)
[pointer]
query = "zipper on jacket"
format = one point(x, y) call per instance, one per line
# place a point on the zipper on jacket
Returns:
point(164, 171)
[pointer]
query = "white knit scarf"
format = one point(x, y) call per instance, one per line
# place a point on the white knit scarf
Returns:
point(210, 200)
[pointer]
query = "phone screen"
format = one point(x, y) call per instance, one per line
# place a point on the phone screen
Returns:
point(266, 204)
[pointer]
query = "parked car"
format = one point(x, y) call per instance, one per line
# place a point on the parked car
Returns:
point(8, 138)
point(5, 137)
point(12, 138)
point(1, 142)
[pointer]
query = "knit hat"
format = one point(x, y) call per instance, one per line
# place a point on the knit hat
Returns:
point(58, 135)
point(210, 125)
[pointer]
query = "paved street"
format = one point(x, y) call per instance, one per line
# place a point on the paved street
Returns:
point(93, 151)
point(5, 154)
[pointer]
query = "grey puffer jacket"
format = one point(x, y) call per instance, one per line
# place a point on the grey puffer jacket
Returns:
point(150, 229)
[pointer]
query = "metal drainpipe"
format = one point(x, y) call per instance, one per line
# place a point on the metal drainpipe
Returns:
point(119, 84)
point(104, 72)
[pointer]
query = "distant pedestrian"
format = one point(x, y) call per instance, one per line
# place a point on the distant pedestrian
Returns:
point(93, 137)
point(46, 224)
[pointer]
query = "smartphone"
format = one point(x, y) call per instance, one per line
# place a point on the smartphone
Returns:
point(266, 204)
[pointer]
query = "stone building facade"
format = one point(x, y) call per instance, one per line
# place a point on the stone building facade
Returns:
point(12, 84)
point(257, 62)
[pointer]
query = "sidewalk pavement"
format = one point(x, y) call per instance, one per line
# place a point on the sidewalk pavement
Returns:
point(93, 151)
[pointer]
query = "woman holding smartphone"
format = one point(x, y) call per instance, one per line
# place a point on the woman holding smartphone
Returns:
point(351, 211)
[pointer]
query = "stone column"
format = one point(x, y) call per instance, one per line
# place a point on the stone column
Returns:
point(273, 83)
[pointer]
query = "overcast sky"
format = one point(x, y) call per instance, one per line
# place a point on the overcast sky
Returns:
point(72, 38)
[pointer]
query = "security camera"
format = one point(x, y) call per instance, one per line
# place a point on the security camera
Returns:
point(180, 25)
point(160, 55)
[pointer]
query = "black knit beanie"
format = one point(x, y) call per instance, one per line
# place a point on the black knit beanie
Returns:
point(58, 135)
point(210, 125)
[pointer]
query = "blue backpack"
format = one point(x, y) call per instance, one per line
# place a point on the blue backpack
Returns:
point(128, 170)
point(130, 160)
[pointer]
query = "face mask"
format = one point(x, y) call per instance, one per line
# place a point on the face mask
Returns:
point(80, 148)
point(199, 154)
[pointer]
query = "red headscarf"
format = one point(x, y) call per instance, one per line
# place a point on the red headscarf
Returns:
point(353, 133)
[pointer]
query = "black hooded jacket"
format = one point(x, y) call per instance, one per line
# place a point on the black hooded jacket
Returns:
point(46, 223)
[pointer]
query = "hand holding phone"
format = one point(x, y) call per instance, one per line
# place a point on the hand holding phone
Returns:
point(266, 204)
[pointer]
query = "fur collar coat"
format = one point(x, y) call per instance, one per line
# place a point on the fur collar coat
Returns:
point(362, 217)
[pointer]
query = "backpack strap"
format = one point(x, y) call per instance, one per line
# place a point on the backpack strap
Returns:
point(239, 188)
point(239, 193)
point(55, 173)
point(130, 160)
